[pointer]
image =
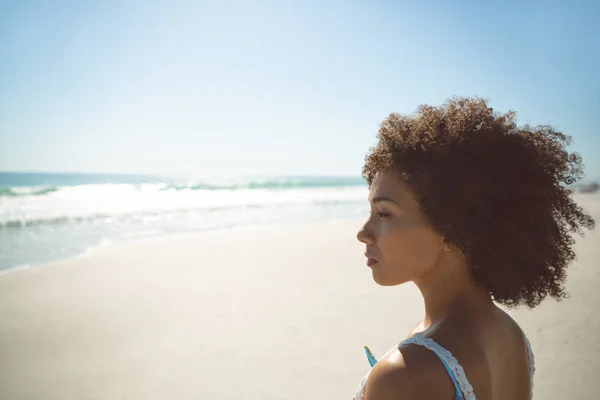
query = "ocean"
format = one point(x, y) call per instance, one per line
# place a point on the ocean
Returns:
point(48, 217)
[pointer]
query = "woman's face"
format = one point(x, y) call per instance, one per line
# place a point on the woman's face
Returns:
point(400, 245)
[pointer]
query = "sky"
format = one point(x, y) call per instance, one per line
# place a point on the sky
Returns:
point(280, 87)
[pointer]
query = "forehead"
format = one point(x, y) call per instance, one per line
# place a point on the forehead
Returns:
point(389, 184)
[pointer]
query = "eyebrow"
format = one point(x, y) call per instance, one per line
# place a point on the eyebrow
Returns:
point(379, 199)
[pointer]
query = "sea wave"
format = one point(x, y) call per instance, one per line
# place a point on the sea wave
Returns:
point(45, 217)
point(27, 191)
point(101, 202)
point(107, 218)
point(272, 183)
point(193, 185)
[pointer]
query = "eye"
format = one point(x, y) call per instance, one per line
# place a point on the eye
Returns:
point(380, 214)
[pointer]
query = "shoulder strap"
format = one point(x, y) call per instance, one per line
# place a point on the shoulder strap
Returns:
point(464, 390)
point(531, 360)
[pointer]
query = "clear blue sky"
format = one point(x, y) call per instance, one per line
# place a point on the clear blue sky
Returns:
point(276, 87)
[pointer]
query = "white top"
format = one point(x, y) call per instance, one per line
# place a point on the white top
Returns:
point(452, 363)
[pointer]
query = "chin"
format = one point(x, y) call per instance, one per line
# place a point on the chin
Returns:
point(383, 280)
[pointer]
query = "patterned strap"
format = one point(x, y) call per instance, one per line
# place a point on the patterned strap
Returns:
point(459, 395)
point(448, 359)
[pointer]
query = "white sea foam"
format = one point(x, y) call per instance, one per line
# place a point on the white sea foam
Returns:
point(48, 222)
point(118, 200)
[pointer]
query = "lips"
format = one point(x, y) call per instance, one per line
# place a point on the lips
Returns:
point(370, 260)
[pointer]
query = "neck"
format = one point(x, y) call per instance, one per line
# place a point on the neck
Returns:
point(449, 288)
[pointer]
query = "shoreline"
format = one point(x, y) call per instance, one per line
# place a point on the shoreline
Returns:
point(159, 237)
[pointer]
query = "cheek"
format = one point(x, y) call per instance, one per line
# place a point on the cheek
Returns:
point(411, 248)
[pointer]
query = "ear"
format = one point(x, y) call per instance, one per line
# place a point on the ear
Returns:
point(446, 246)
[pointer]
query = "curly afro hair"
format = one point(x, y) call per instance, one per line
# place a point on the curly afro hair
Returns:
point(495, 191)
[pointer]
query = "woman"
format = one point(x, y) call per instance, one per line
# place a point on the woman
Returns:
point(473, 210)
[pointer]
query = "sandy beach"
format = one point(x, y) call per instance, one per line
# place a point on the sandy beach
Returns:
point(264, 313)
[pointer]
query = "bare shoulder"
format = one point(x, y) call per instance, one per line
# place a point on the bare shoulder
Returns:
point(411, 372)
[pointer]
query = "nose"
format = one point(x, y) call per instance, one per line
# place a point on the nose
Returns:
point(365, 236)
